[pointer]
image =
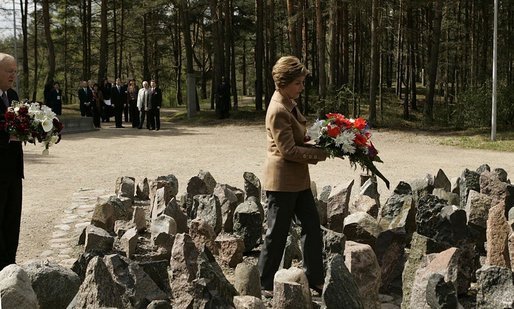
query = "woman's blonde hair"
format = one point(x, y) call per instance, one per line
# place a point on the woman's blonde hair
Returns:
point(286, 70)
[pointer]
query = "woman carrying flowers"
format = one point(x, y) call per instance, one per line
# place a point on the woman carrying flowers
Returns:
point(286, 178)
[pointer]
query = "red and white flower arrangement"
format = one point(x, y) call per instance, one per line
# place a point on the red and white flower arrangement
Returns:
point(32, 122)
point(345, 137)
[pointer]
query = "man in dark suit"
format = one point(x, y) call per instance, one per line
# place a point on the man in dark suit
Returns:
point(11, 170)
point(85, 98)
point(118, 98)
point(156, 102)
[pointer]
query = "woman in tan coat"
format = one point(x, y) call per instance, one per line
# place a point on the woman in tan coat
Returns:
point(286, 178)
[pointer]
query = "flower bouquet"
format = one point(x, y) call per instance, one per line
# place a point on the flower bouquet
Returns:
point(32, 122)
point(342, 137)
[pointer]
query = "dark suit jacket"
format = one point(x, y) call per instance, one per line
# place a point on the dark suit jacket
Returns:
point(118, 97)
point(156, 98)
point(85, 96)
point(11, 153)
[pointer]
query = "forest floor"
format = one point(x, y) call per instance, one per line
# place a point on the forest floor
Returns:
point(94, 160)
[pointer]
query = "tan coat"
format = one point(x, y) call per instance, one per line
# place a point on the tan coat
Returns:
point(286, 167)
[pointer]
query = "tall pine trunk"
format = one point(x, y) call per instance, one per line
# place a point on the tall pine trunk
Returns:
point(428, 110)
point(375, 62)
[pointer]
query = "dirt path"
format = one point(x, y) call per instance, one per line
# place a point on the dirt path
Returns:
point(95, 159)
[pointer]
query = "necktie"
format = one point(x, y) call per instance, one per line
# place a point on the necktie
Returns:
point(5, 99)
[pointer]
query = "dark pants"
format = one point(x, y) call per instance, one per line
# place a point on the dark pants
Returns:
point(118, 115)
point(282, 206)
point(96, 115)
point(150, 121)
point(10, 218)
point(134, 113)
point(157, 117)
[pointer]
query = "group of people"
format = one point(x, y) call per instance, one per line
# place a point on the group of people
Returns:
point(286, 174)
point(123, 102)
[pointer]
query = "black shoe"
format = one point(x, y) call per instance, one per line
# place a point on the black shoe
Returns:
point(119, 126)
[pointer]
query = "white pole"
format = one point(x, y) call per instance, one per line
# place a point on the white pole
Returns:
point(15, 39)
point(495, 43)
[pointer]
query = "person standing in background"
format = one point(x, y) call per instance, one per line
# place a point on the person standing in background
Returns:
point(98, 99)
point(144, 105)
point(85, 99)
point(118, 98)
point(55, 99)
point(132, 93)
point(156, 100)
point(11, 175)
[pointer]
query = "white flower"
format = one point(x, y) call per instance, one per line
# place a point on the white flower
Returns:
point(314, 132)
point(47, 124)
point(345, 141)
point(348, 148)
point(34, 108)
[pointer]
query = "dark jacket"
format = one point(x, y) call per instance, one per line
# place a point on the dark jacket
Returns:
point(156, 98)
point(11, 153)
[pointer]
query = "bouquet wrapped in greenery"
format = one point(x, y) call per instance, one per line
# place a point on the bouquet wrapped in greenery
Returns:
point(343, 137)
point(32, 122)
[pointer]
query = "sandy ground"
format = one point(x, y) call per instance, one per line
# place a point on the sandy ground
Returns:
point(95, 159)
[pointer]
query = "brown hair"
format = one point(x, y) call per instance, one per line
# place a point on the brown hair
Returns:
point(287, 69)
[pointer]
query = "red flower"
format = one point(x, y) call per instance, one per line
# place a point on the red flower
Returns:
point(333, 131)
point(57, 125)
point(9, 116)
point(340, 120)
point(360, 140)
point(360, 123)
point(23, 110)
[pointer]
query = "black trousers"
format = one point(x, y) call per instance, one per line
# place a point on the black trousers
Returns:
point(150, 121)
point(282, 206)
point(157, 117)
point(10, 218)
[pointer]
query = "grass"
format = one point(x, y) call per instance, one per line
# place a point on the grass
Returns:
point(481, 140)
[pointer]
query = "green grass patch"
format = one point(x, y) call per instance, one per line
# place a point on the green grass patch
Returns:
point(482, 140)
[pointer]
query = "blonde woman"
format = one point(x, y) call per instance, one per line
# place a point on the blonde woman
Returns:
point(286, 178)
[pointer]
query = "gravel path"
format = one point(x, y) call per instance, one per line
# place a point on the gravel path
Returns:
point(92, 161)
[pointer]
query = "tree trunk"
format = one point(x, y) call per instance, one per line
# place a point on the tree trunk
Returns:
point(190, 78)
point(146, 69)
point(333, 45)
point(375, 61)
point(36, 58)
point(104, 52)
point(345, 44)
point(122, 36)
point(270, 51)
point(243, 69)
point(50, 44)
point(24, 28)
point(434, 59)
point(320, 41)
point(293, 29)
point(411, 41)
point(177, 56)
point(259, 53)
